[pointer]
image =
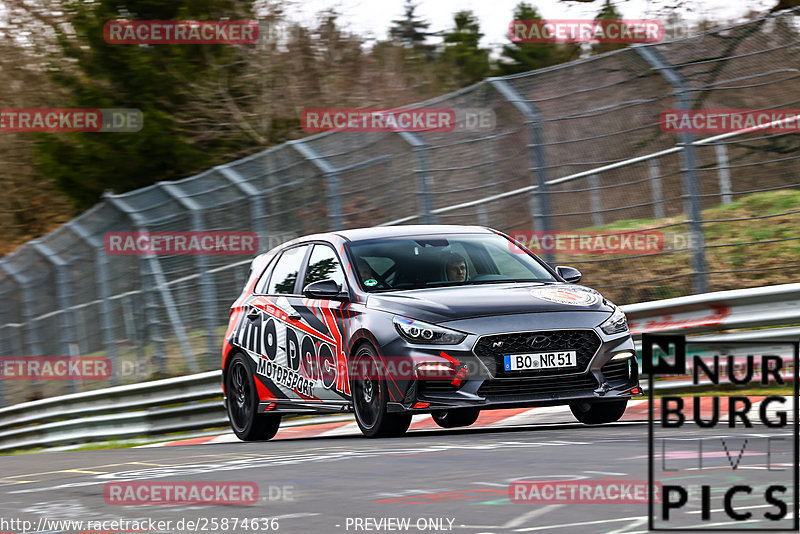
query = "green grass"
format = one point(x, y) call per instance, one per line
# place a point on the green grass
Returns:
point(614, 278)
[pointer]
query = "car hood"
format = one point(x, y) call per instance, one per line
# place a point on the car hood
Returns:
point(463, 302)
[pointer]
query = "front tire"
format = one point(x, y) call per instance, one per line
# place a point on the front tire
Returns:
point(456, 418)
point(370, 394)
point(598, 413)
point(246, 422)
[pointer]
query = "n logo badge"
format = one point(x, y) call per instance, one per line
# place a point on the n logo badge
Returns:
point(652, 343)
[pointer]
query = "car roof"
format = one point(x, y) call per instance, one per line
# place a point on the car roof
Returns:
point(361, 234)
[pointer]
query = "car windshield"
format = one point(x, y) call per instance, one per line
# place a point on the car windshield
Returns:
point(436, 261)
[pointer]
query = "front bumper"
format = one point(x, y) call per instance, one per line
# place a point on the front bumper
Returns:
point(603, 379)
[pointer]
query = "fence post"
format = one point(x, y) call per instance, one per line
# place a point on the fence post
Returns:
point(540, 198)
point(149, 266)
point(655, 186)
point(3, 351)
point(62, 295)
point(724, 173)
point(331, 179)
point(255, 199)
point(206, 281)
point(691, 186)
point(596, 203)
point(103, 293)
point(423, 175)
point(28, 314)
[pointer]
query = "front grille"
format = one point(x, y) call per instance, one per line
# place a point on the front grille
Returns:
point(540, 385)
point(509, 388)
point(491, 349)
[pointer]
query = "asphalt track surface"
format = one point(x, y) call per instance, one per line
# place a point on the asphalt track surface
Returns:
point(438, 480)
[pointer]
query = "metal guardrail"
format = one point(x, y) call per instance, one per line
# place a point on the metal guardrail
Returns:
point(740, 308)
point(119, 412)
point(147, 409)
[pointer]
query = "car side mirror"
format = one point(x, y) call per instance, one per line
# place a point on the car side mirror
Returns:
point(570, 274)
point(325, 289)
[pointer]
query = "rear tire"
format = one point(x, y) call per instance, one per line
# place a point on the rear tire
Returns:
point(240, 388)
point(598, 413)
point(456, 417)
point(370, 396)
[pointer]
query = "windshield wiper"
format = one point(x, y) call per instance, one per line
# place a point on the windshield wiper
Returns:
point(481, 282)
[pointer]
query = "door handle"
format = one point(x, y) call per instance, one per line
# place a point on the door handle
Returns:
point(294, 316)
point(253, 315)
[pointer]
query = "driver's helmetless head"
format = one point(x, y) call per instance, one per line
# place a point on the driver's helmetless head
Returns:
point(365, 270)
point(456, 268)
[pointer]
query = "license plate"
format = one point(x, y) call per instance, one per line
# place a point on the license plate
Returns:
point(540, 360)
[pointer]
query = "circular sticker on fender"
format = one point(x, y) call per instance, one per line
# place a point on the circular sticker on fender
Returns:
point(574, 297)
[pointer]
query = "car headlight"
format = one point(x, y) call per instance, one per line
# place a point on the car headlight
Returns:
point(615, 324)
point(419, 332)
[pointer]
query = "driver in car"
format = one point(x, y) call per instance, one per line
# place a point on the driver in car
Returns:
point(456, 268)
point(365, 270)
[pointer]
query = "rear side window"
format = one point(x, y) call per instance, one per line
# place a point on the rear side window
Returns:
point(284, 275)
point(323, 264)
point(261, 286)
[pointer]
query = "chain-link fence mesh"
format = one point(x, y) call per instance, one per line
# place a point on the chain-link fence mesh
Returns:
point(573, 147)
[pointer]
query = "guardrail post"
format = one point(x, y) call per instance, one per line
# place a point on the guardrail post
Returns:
point(539, 199)
point(206, 283)
point(597, 205)
point(724, 173)
point(691, 185)
point(483, 215)
point(103, 293)
point(423, 175)
point(655, 186)
point(255, 199)
point(34, 341)
point(331, 181)
point(150, 267)
point(62, 295)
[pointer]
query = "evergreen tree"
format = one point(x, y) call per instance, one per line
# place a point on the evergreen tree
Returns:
point(524, 57)
point(608, 12)
point(156, 79)
point(411, 31)
point(462, 51)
